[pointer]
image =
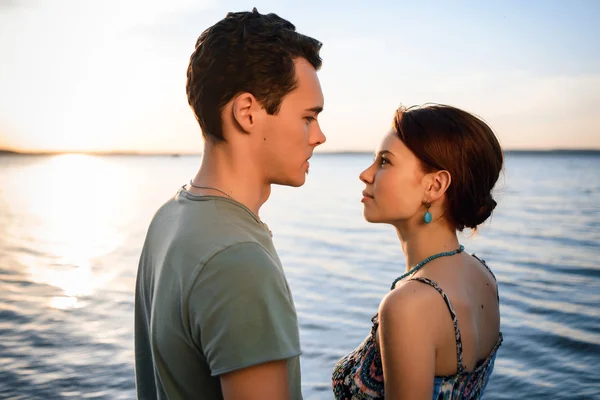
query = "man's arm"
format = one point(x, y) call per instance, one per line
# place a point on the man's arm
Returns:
point(259, 382)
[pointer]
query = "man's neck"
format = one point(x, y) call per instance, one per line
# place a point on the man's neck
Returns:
point(234, 173)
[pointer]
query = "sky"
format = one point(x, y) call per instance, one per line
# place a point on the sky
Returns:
point(109, 75)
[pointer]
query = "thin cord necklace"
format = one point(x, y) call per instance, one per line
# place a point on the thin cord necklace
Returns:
point(212, 188)
point(232, 198)
point(425, 261)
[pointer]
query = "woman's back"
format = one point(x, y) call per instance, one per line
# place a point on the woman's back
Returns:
point(472, 291)
point(463, 363)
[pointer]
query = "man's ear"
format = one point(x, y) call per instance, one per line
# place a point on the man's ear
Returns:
point(245, 108)
point(436, 184)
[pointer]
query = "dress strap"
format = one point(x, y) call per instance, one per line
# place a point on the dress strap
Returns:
point(459, 355)
point(491, 273)
point(485, 265)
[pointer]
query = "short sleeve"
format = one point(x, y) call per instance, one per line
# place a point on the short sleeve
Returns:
point(241, 310)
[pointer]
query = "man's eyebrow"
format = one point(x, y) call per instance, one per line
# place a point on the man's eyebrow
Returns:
point(316, 109)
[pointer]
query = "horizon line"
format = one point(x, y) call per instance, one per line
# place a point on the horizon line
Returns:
point(5, 151)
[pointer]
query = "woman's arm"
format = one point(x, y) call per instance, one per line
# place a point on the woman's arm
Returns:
point(407, 331)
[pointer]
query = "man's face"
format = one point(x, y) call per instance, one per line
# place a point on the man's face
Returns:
point(290, 137)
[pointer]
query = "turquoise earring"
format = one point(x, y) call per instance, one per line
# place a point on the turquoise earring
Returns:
point(427, 217)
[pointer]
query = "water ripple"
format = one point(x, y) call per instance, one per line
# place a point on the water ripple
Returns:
point(67, 271)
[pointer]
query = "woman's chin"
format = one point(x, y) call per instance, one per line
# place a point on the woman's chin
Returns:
point(369, 217)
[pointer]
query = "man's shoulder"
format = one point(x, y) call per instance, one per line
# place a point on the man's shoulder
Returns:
point(242, 267)
point(203, 223)
point(247, 252)
point(243, 261)
point(191, 235)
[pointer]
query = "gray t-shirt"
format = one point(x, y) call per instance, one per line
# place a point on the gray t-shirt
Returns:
point(211, 297)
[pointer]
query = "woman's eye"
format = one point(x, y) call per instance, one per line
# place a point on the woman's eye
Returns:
point(383, 161)
point(310, 119)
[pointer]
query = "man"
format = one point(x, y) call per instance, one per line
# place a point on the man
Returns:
point(214, 316)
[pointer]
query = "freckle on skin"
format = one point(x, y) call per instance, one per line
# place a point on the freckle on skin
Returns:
point(482, 306)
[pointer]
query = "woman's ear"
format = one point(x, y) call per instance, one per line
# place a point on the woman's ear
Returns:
point(437, 184)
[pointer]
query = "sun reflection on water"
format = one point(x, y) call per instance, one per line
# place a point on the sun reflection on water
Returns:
point(73, 200)
point(63, 302)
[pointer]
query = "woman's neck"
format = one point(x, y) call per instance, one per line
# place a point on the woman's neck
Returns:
point(425, 241)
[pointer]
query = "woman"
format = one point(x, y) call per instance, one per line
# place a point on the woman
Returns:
point(438, 329)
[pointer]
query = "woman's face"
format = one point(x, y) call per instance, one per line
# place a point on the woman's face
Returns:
point(394, 189)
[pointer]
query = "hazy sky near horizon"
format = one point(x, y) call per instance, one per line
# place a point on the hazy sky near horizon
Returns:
point(86, 75)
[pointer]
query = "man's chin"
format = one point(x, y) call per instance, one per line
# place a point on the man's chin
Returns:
point(298, 182)
point(293, 182)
